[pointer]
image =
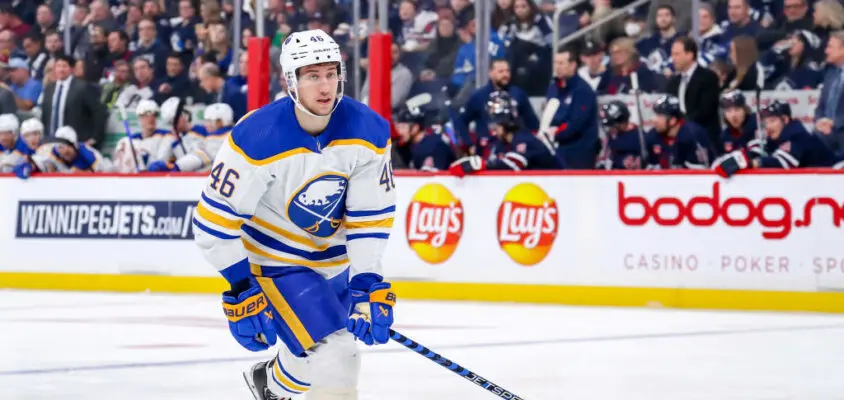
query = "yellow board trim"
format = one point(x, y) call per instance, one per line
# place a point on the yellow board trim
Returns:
point(270, 160)
point(216, 219)
point(381, 223)
point(287, 382)
point(830, 302)
point(287, 314)
point(358, 142)
point(306, 263)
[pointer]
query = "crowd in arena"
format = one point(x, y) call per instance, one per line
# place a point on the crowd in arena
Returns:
point(156, 58)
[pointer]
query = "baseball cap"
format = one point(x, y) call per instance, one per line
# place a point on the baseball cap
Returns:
point(16, 63)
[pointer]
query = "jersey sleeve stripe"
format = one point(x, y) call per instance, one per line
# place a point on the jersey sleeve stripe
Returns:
point(213, 232)
point(381, 223)
point(270, 160)
point(287, 314)
point(216, 219)
point(289, 261)
point(780, 153)
point(287, 235)
point(285, 382)
point(370, 213)
point(222, 207)
point(258, 236)
point(358, 142)
point(355, 236)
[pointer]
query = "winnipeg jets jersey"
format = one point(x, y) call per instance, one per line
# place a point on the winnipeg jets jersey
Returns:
point(280, 197)
point(187, 150)
point(146, 149)
point(87, 159)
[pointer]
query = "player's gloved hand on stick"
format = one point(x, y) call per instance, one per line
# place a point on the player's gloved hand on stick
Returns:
point(731, 163)
point(467, 166)
point(23, 170)
point(372, 308)
point(250, 318)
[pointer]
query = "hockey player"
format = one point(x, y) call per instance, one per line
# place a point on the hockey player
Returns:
point(426, 149)
point(674, 142)
point(513, 148)
point(296, 216)
point(740, 120)
point(64, 155)
point(147, 143)
point(29, 140)
point(10, 146)
point(623, 149)
point(789, 145)
point(219, 121)
point(184, 148)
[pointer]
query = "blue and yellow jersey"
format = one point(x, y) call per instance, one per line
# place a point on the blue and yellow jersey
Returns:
point(280, 197)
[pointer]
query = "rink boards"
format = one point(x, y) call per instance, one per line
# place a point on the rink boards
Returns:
point(769, 241)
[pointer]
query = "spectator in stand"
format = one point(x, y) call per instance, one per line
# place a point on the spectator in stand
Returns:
point(183, 38)
point(72, 102)
point(175, 83)
point(119, 81)
point(464, 63)
point(12, 22)
point(152, 10)
point(442, 52)
point(418, 27)
point(576, 120)
point(796, 17)
point(502, 14)
point(829, 114)
point(791, 63)
point(45, 20)
point(209, 11)
point(8, 103)
point(401, 80)
point(36, 56)
point(711, 37)
point(463, 10)
point(656, 49)
point(740, 22)
point(723, 70)
point(142, 88)
point(97, 58)
point(26, 89)
point(281, 92)
point(748, 74)
point(828, 17)
point(696, 88)
point(592, 58)
point(212, 81)
point(118, 50)
point(101, 16)
point(624, 60)
point(133, 17)
point(530, 37)
point(220, 45)
point(151, 48)
point(8, 48)
point(79, 69)
point(475, 109)
point(80, 41)
point(54, 44)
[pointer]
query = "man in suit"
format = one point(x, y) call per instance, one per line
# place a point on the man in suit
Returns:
point(71, 102)
point(829, 114)
point(696, 87)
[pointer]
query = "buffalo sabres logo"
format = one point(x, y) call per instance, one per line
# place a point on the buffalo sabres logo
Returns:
point(319, 205)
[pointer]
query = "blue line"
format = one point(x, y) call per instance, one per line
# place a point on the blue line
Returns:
point(213, 232)
point(266, 240)
point(369, 213)
point(223, 207)
point(355, 236)
point(163, 364)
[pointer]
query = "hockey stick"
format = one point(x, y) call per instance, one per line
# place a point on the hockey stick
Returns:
point(454, 367)
point(634, 82)
point(122, 111)
point(545, 124)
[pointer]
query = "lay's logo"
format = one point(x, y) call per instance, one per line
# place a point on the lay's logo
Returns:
point(434, 223)
point(527, 224)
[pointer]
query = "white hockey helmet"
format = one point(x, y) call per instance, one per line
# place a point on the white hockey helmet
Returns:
point(301, 49)
point(146, 106)
point(169, 109)
point(32, 125)
point(219, 112)
point(9, 123)
point(67, 133)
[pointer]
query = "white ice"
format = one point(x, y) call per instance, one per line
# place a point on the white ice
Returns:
point(58, 345)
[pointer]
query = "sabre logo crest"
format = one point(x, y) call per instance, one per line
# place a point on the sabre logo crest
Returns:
point(319, 205)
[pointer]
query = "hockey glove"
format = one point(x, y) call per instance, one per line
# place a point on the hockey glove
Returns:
point(731, 163)
point(250, 318)
point(466, 166)
point(23, 170)
point(372, 308)
point(162, 166)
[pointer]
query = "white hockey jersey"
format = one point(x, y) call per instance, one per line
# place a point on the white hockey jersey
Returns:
point(146, 150)
point(87, 159)
point(214, 140)
point(279, 197)
point(187, 150)
point(9, 158)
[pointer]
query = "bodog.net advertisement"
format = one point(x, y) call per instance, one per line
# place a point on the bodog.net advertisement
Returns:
point(767, 232)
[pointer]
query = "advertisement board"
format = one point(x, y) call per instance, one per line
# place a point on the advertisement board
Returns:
point(762, 240)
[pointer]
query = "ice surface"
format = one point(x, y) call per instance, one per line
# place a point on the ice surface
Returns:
point(61, 345)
